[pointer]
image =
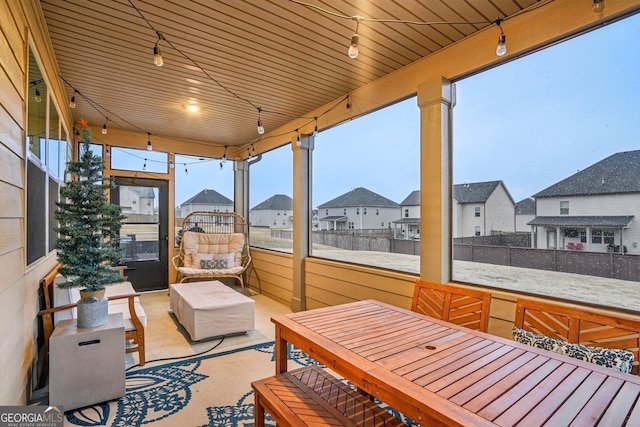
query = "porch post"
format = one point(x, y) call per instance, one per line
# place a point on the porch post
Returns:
point(241, 188)
point(435, 100)
point(301, 216)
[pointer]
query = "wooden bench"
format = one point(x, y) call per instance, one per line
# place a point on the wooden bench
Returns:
point(455, 304)
point(312, 396)
point(579, 325)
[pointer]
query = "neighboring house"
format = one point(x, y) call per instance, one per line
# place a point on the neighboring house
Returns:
point(593, 209)
point(358, 209)
point(315, 221)
point(275, 212)
point(525, 212)
point(207, 200)
point(409, 222)
point(137, 200)
point(481, 208)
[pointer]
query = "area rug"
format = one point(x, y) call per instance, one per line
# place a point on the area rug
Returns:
point(208, 390)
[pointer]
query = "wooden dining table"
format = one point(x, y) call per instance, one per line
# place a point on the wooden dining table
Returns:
point(437, 373)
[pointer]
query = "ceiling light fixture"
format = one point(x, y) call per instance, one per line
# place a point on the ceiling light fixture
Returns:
point(298, 142)
point(104, 126)
point(355, 39)
point(192, 106)
point(157, 54)
point(501, 49)
point(149, 146)
point(597, 6)
point(260, 127)
point(72, 103)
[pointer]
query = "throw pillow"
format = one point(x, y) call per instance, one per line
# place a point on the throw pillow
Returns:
point(620, 360)
point(197, 258)
point(230, 258)
point(213, 264)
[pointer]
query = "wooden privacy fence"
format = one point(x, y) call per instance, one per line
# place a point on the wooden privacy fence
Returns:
point(601, 264)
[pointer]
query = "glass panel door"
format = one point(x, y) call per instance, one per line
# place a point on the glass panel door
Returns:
point(144, 232)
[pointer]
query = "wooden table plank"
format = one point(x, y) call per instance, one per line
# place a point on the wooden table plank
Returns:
point(464, 366)
point(598, 404)
point(578, 399)
point(620, 408)
point(522, 407)
point(539, 414)
point(507, 363)
point(408, 360)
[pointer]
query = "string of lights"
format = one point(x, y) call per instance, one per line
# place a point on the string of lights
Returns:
point(597, 7)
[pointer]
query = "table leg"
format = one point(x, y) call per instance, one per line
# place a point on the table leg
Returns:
point(259, 412)
point(281, 352)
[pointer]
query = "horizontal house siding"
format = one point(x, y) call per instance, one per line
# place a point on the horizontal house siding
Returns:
point(331, 283)
point(19, 285)
point(272, 274)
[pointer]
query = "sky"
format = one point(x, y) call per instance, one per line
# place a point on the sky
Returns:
point(530, 123)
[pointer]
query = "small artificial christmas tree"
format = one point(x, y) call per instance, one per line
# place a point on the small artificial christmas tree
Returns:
point(89, 225)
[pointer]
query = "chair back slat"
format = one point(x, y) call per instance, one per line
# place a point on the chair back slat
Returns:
point(579, 325)
point(455, 304)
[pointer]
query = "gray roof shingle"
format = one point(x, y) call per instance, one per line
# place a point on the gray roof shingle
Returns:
point(526, 207)
point(582, 221)
point(209, 197)
point(277, 202)
point(359, 197)
point(475, 192)
point(618, 173)
point(412, 199)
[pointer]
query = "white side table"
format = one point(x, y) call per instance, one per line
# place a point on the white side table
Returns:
point(86, 365)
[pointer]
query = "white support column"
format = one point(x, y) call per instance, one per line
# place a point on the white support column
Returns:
point(301, 216)
point(241, 188)
point(436, 100)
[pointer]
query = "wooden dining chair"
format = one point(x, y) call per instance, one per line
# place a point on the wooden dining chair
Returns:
point(455, 304)
point(579, 325)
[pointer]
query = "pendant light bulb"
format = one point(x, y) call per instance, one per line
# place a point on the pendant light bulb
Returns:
point(353, 47)
point(501, 49)
point(104, 126)
point(157, 56)
point(597, 6)
point(37, 96)
point(149, 146)
point(260, 127)
point(72, 103)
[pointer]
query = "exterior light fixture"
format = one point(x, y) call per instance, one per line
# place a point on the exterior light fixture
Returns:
point(149, 146)
point(501, 49)
point(260, 127)
point(597, 6)
point(104, 126)
point(72, 103)
point(157, 54)
point(355, 40)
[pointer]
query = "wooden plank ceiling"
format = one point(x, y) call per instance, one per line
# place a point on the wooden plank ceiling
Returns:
point(232, 56)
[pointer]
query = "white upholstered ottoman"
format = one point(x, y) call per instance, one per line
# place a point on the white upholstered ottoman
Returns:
point(211, 309)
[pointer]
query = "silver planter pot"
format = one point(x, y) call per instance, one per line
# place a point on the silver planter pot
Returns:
point(93, 312)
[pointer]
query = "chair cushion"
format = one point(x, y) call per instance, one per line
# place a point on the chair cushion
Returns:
point(621, 360)
point(203, 243)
